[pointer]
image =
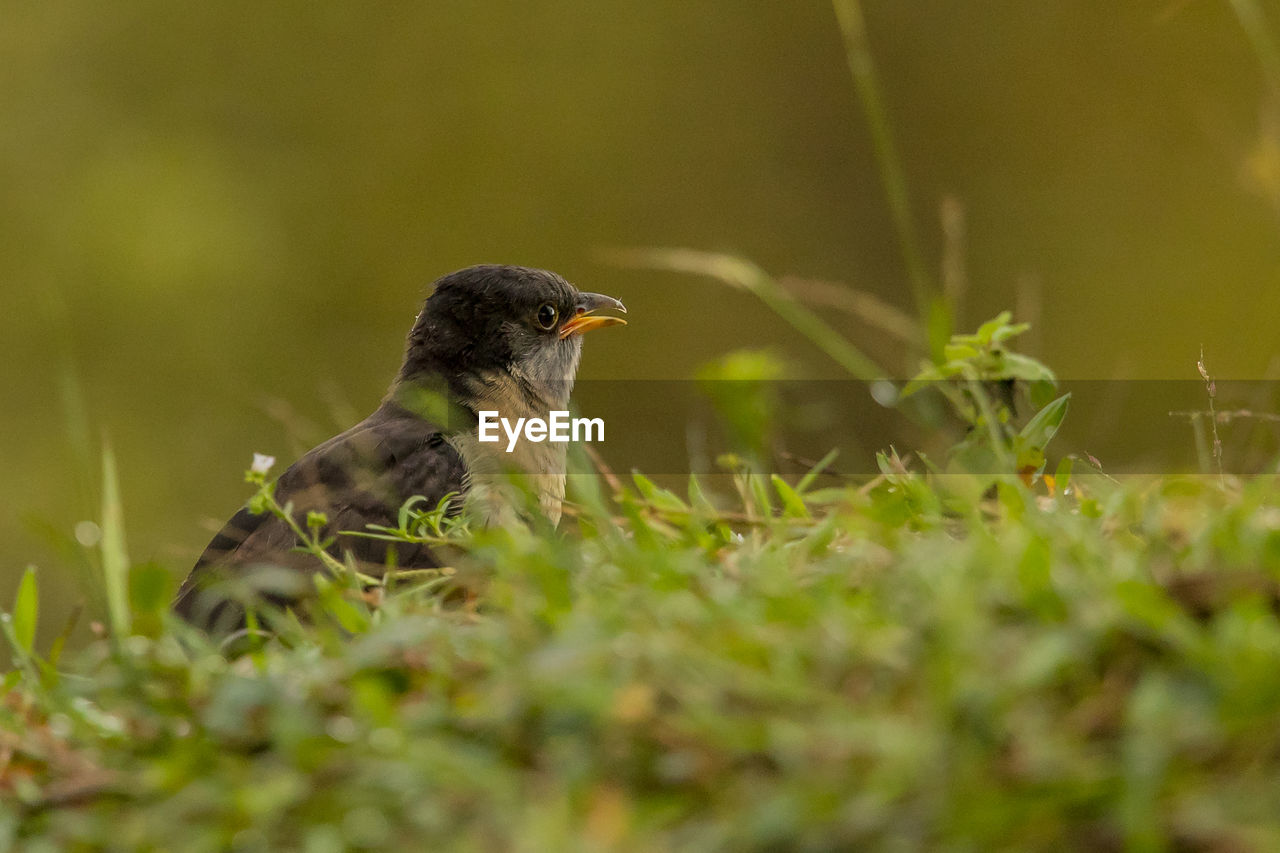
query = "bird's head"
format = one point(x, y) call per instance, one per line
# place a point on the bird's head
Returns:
point(488, 324)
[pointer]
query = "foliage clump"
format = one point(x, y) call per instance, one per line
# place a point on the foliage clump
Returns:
point(896, 663)
point(971, 653)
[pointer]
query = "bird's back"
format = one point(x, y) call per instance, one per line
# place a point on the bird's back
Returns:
point(360, 477)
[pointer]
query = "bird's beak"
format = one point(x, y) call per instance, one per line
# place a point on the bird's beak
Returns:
point(585, 318)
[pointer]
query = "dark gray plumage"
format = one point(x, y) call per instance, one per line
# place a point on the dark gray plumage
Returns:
point(488, 337)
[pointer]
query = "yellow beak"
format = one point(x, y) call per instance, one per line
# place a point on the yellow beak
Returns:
point(585, 318)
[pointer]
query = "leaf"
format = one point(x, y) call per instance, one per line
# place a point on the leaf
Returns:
point(928, 463)
point(1030, 463)
point(792, 504)
point(813, 473)
point(1017, 366)
point(832, 495)
point(927, 376)
point(1010, 331)
point(1041, 429)
point(150, 588)
point(739, 273)
point(115, 559)
point(987, 331)
point(760, 493)
point(350, 617)
point(1030, 443)
point(938, 326)
point(697, 498)
point(959, 352)
point(26, 610)
point(661, 499)
point(1062, 477)
point(60, 641)
point(1042, 393)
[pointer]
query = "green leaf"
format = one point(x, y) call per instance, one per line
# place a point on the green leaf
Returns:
point(812, 474)
point(60, 641)
point(1062, 477)
point(258, 504)
point(661, 499)
point(1010, 331)
point(150, 588)
point(352, 618)
point(697, 498)
point(1030, 458)
point(1042, 392)
point(406, 511)
point(1030, 443)
point(739, 273)
point(1041, 429)
point(1012, 499)
point(959, 352)
point(832, 495)
point(764, 504)
point(792, 504)
point(938, 326)
point(115, 559)
point(26, 611)
point(1017, 366)
point(987, 331)
point(926, 377)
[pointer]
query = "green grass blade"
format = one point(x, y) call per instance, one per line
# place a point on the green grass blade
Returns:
point(115, 560)
point(744, 275)
point(865, 79)
point(792, 504)
point(60, 641)
point(26, 611)
point(813, 473)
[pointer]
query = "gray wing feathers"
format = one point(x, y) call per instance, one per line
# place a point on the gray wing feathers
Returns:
point(360, 477)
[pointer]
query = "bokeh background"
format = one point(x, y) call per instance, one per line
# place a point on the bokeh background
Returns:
point(219, 219)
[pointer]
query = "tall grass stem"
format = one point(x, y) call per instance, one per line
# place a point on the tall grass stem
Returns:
point(115, 560)
point(745, 275)
point(853, 28)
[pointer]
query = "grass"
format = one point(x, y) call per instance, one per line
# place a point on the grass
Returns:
point(926, 659)
point(980, 651)
point(977, 652)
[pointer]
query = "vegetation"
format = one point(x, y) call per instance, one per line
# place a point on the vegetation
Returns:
point(978, 651)
point(981, 660)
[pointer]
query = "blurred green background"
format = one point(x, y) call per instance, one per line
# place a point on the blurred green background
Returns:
point(220, 219)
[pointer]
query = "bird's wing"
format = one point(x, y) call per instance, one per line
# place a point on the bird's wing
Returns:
point(360, 477)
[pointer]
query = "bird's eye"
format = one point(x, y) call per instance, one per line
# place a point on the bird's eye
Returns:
point(547, 316)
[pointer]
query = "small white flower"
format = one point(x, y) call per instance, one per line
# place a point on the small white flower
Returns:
point(262, 463)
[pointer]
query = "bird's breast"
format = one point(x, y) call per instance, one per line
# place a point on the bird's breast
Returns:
point(494, 476)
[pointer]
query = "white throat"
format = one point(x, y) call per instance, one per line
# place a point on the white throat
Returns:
point(495, 476)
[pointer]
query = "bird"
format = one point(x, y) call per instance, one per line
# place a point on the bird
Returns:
point(488, 338)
